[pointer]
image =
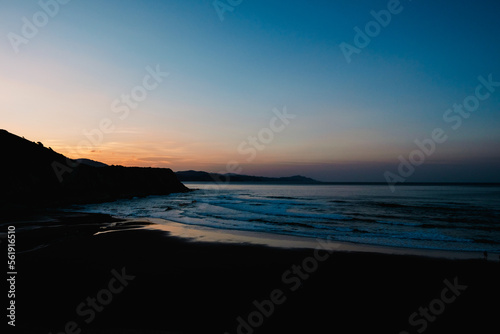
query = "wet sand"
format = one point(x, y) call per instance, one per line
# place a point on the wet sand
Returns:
point(99, 274)
point(207, 234)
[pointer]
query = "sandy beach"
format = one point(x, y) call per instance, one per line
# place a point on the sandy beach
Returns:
point(93, 273)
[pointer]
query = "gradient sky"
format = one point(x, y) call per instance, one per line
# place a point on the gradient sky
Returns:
point(352, 120)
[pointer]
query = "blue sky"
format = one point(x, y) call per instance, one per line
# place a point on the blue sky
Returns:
point(353, 120)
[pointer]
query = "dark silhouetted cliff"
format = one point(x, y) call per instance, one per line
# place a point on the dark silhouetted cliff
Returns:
point(33, 175)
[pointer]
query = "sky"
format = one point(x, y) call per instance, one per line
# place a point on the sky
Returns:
point(333, 90)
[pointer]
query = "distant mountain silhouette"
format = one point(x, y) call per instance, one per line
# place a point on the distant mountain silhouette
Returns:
point(33, 175)
point(199, 176)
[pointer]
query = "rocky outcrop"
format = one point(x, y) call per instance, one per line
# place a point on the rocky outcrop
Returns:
point(33, 175)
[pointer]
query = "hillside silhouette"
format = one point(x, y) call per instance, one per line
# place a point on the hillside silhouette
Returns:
point(35, 176)
point(200, 176)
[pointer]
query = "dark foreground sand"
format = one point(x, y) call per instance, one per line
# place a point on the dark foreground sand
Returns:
point(145, 281)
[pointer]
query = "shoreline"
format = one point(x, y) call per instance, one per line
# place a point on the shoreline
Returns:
point(199, 233)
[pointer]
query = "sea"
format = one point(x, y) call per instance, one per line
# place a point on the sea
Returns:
point(438, 217)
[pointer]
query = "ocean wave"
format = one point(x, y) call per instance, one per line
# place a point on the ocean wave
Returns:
point(344, 214)
point(399, 223)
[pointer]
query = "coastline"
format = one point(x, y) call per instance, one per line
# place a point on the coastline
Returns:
point(208, 234)
point(185, 283)
point(197, 233)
